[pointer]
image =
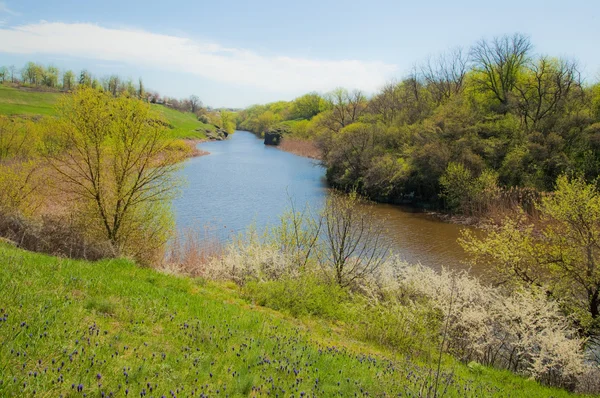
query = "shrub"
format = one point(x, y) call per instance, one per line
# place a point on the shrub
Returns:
point(303, 295)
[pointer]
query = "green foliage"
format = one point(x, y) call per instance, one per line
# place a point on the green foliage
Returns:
point(119, 327)
point(227, 121)
point(498, 111)
point(111, 155)
point(562, 258)
point(307, 295)
point(465, 193)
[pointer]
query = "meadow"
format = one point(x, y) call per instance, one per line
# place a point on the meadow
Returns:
point(28, 103)
point(111, 328)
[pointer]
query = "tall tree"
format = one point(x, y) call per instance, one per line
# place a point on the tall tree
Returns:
point(499, 63)
point(544, 88)
point(112, 158)
point(445, 75)
point(68, 80)
point(195, 103)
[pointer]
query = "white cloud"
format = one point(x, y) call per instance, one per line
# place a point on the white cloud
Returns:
point(209, 60)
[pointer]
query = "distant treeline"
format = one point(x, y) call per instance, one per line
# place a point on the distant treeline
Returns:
point(457, 132)
point(53, 78)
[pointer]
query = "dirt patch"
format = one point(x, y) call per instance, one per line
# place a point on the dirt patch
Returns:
point(305, 148)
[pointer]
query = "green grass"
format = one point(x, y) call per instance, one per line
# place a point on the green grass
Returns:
point(15, 101)
point(184, 123)
point(112, 327)
point(25, 102)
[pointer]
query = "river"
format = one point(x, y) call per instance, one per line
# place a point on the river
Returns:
point(244, 183)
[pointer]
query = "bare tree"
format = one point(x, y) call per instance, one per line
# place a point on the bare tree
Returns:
point(545, 88)
point(195, 103)
point(346, 107)
point(12, 70)
point(388, 103)
point(141, 91)
point(445, 75)
point(354, 245)
point(499, 62)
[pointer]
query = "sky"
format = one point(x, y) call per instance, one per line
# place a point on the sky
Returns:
point(238, 53)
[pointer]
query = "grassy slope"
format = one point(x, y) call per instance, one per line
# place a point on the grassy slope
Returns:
point(113, 327)
point(184, 123)
point(23, 102)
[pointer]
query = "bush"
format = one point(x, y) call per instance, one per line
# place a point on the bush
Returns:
point(523, 331)
point(303, 295)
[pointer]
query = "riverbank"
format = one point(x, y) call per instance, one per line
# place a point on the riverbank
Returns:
point(305, 148)
point(118, 329)
point(194, 151)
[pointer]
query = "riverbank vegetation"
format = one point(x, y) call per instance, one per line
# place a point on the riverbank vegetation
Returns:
point(542, 330)
point(111, 328)
point(94, 181)
point(497, 119)
point(91, 177)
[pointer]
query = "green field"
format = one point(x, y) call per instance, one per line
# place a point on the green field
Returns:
point(24, 102)
point(69, 328)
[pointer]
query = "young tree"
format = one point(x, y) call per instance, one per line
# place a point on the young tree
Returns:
point(307, 106)
point(112, 159)
point(227, 121)
point(50, 76)
point(113, 85)
point(68, 80)
point(12, 69)
point(354, 245)
point(85, 78)
point(346, 107)
point(141, 91)
point(195, 103)
point(563, 258)
point(32, 73)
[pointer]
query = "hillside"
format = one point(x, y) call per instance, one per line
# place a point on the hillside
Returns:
point(110, 328)
point(29, 102)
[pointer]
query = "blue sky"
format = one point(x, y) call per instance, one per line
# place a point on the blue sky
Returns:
point(237, 53)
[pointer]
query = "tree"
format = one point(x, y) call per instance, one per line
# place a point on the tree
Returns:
point(561, 255)
point(3, 74)
point(544, 88)
point(111, 159)
point(307, 106)
point(445, 75)
point(85, 78)
point(227, 121)
point(388, 103)
point(50, 76)
point(68, 80)
point(195, 103)
point(141, 92)
point(346, 107)
point(32, 73)
point(354, 244)
point(113, 85)
point(498, 64)
point(12, 70)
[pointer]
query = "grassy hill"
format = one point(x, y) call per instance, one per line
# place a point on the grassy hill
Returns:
point(110, 328)
point(28, 102)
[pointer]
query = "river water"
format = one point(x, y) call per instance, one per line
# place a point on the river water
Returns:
point(244, 183)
